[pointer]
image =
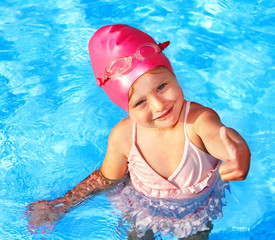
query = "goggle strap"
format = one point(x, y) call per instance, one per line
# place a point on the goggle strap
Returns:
point(101, 82)
point(164, 45)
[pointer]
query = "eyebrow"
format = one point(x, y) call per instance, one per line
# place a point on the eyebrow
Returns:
point(131, 91)
point(130, 97)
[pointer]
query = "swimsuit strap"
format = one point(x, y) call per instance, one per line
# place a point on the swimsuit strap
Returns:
point(134, 133)
point(187, 109)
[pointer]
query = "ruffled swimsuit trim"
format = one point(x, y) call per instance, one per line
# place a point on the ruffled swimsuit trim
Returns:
point(177, 217)
point(187, 192)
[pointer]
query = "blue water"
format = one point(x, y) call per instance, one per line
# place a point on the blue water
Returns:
point(55, 121)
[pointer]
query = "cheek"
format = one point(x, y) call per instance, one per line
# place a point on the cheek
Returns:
point(180, 94)
point(174, 94)
point(178, 91)
point(139, 116)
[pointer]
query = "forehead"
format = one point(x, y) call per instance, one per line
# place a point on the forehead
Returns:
point(158, 73)
point(149, 80)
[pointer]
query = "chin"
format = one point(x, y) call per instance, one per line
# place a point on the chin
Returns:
point(168, 123)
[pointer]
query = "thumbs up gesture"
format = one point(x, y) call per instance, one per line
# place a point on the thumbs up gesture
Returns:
point(236, 166)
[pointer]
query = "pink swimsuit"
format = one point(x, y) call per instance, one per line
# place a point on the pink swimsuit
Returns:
point(196, 173)
point(181, 205)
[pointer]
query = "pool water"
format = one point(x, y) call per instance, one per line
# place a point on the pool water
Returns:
point(55, 121)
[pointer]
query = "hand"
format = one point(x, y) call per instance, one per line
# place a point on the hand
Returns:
point(44, 213)
point(236, 167)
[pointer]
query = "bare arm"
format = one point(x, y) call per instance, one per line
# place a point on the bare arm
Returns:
point(225, 144)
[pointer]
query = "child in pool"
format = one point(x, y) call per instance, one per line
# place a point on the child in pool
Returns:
point(177, 153)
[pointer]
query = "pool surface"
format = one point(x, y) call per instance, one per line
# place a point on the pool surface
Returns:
point(55, 120)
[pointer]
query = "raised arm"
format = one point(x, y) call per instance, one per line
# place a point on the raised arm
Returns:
point(223, 143)
point(45, 212)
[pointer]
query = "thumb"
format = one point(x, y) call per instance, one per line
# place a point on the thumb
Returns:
point(228, 143)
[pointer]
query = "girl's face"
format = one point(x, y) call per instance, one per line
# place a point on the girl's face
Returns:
point(156, 99)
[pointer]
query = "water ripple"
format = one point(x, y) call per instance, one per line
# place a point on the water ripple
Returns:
point(55, 121)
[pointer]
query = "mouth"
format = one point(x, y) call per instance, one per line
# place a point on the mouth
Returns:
point(165, 115)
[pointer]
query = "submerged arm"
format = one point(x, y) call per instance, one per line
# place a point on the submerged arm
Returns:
point(114, 167)
point(46, 212)
point(88, 187)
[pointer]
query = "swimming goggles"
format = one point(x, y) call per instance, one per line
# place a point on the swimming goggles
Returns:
point(122, 65)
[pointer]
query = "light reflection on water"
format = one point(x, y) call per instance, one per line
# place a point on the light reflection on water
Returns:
point(55, 121)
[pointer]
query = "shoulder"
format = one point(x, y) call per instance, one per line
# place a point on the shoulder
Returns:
point(203, 119)
point(121, 135)
point(119, 144)
point(198, 113)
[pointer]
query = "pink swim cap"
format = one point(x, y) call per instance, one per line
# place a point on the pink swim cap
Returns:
point(131, 51)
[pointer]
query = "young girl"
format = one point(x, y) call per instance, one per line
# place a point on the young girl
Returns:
point(176, 153)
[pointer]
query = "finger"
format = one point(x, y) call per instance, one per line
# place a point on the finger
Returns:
point(227, 167)
point(231, 177)
point(229, 171)
point(50, 226)
point(224, 136)
point(32, 228)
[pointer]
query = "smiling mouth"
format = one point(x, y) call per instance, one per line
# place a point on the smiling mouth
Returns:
point(164, 115)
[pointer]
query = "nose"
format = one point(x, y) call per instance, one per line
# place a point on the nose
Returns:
point(156, 104)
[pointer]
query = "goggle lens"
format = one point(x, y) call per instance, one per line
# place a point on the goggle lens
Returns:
point(119, 66)
point(147, 52)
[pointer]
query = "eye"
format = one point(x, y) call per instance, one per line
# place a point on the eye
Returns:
point(139, 103)
point(161, 86)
